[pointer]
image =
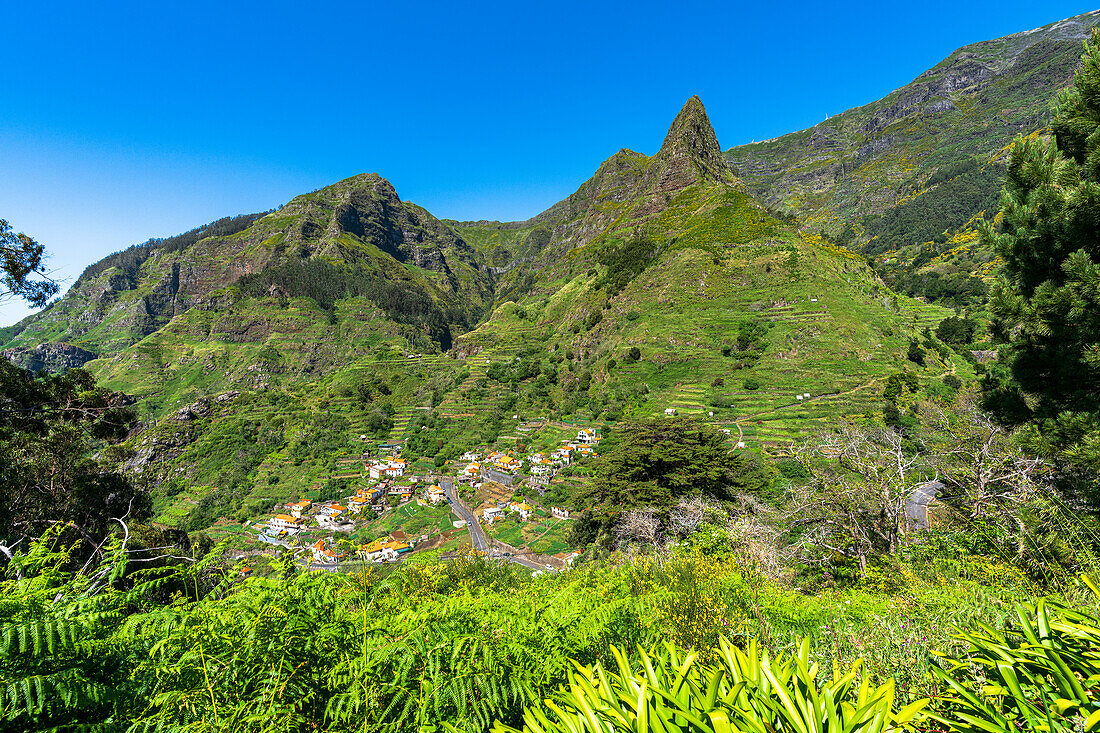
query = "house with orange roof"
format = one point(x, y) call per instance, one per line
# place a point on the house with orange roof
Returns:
point(298, 508)
point(523, 509)
point(332, 510)
point(285, 522)
point(390, 468)
point(588, 436)
point(470, 472)
point(321, 553)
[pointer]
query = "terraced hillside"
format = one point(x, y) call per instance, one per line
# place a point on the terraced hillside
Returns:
point(350, 320)
point(905, 179)
point(682, 308)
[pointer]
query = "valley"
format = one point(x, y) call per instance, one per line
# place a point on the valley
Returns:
point(350, 325)
point(654, 459)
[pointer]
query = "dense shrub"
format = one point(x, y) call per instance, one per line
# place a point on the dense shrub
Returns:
point(956, 331)
point(624, 261)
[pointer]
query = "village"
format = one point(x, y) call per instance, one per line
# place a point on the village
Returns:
point(491, 487)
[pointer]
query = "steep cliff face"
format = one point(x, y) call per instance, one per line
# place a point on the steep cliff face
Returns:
point(630, 188)
point(871, 158)
point(689, 155)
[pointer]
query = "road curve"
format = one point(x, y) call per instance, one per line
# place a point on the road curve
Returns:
point(477, 534)
point(916, 506)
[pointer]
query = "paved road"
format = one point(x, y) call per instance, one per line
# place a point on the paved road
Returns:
point(477, 534)
point(916, 506)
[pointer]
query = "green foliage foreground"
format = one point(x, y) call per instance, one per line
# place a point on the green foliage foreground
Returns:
point(474, 645)
point(744, 691)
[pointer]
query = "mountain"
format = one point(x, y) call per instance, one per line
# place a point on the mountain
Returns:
point(415, 268)
point(267, 358)
point(628, 191)
point(865, 160)
point(904, 178)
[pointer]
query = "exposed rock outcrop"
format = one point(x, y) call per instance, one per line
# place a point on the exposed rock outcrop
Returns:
point(50, 357)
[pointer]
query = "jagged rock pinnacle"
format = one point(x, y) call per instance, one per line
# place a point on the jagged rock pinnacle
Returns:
point(691, 150)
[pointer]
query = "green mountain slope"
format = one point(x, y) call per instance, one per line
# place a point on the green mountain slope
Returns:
point(729, 309)
point(870, 159)
point(269, 359)
point(380, 245)
point(904, 180)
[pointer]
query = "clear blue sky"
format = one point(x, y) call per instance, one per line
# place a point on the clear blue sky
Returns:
point(125, 120)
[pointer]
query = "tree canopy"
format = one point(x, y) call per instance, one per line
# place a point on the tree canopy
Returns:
point(654, 464)
point(1046, 301)
point(50, 469)
point(21, 260)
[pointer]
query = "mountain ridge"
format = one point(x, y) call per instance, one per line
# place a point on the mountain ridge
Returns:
point(868, 158)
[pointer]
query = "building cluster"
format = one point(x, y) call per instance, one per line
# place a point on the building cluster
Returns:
point(339, 516)
point(389, 485)
point(382, 550)
point(505, 467)
point(368, 497)
point(500, 511)
point(386, 468)
point(522, 509)
point(388, 550)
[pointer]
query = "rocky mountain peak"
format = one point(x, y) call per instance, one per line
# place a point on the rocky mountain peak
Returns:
point(690, 152)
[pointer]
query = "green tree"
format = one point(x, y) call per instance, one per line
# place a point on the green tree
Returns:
point(915, 353)
point(21, 259)
point(1049, 238)
point(654, 464)
point(56, 462)
point(956, 331)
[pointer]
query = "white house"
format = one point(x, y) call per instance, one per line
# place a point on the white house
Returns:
point(524, 510)
point(588, 437)
point(492, 513)
point(334, 524)
point(284, 522)
point(670, 411)
point(559, 512)
point(563, 456)
point(323, 554)
point(393, 468)
point(298, 508)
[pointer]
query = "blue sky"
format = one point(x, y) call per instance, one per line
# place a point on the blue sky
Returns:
point(125, 120)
